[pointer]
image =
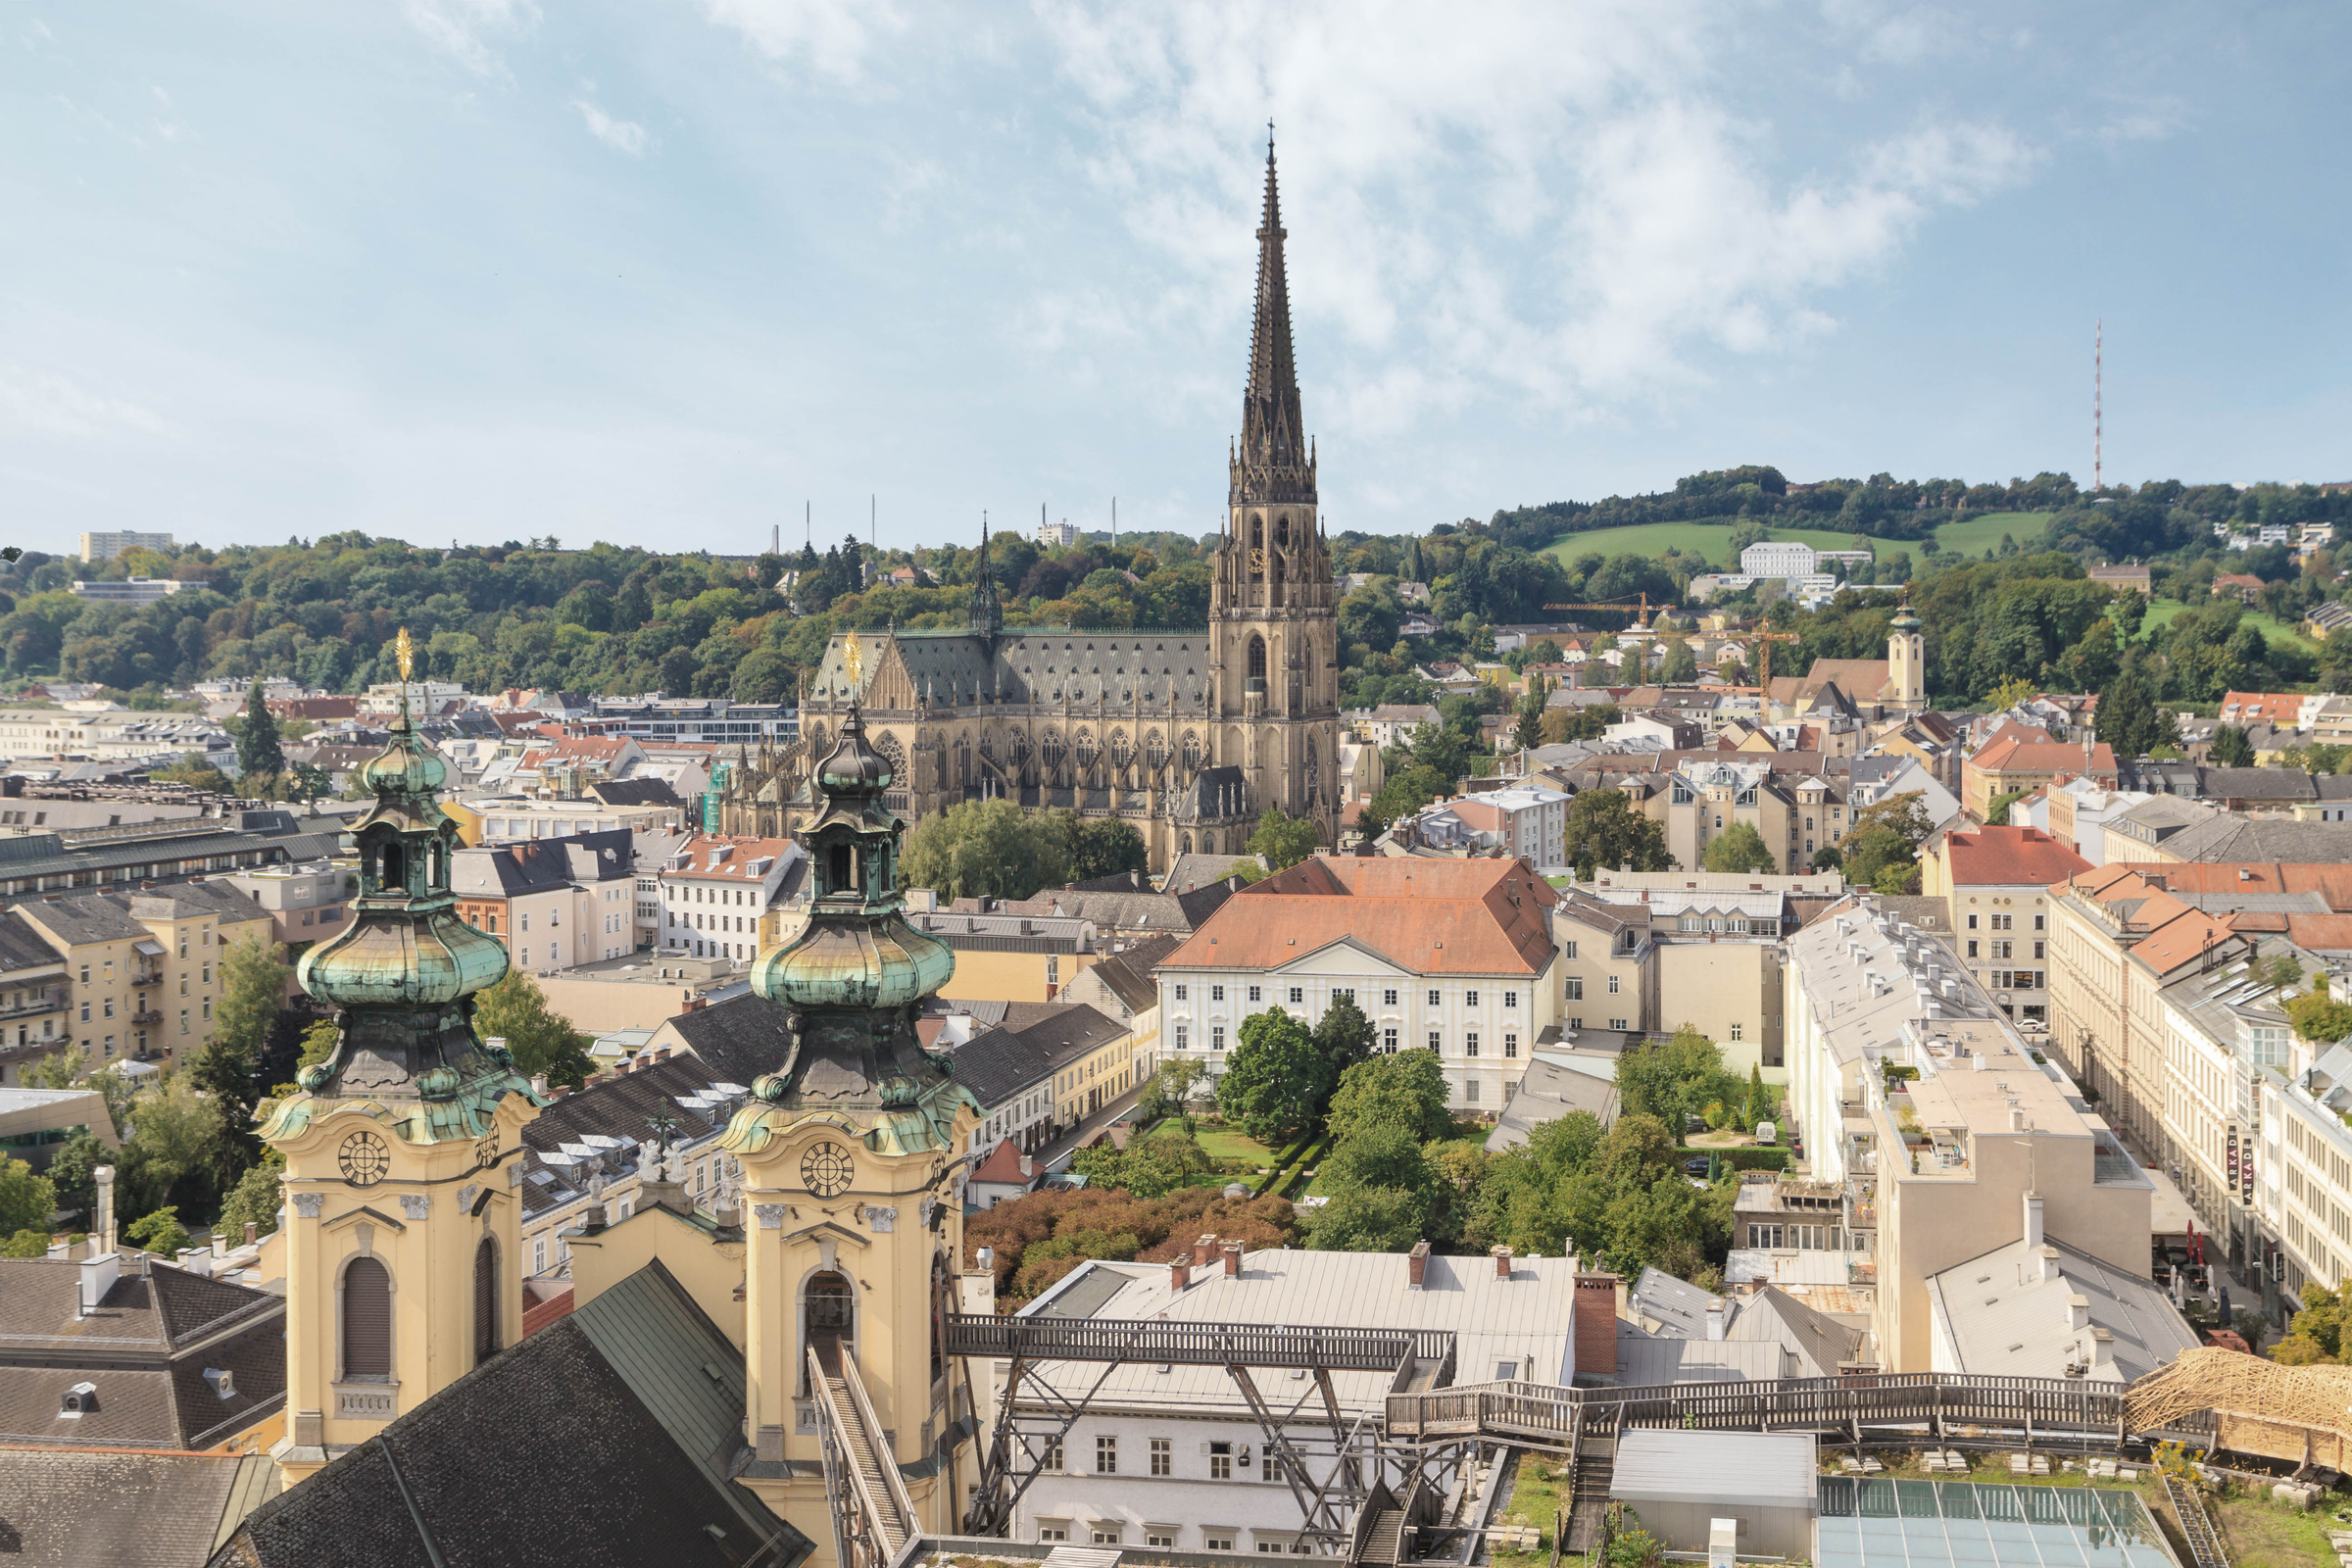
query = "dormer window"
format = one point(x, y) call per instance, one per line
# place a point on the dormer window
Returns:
point(79, 1401)
point(223, 1381)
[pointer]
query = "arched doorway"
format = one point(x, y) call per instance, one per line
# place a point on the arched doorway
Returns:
point(828, 1316)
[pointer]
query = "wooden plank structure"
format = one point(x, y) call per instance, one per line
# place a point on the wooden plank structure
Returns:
point(2300, 1414)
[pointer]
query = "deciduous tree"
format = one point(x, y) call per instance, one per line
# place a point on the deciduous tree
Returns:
point(1275, 1082)
point(1739, 848)
point(541, 1039)
point(1404, 1089)
point(1607, 831)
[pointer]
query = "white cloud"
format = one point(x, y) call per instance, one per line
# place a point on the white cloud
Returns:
point(50, 405)
point(1560, 201)
point(463, 30)
point(624, 135)
point(832, 36)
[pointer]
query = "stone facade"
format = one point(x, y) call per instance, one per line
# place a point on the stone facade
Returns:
point(1190, 734)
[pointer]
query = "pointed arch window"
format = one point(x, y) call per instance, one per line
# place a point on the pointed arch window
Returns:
point(1257, 658)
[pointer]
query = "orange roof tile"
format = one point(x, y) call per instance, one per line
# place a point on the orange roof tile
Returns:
point(2261, 707)
point(1430, 916)
point(1003, 1165)
point(2331, 881)
point(2008, 756)
point(2010, 857)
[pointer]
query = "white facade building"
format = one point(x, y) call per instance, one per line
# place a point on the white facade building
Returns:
point(714, 891)
point(97, 547)
point(1455, 957)
point(1777, 558)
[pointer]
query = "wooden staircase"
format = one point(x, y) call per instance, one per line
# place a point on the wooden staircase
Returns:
point(1589, 1492)
point(873, 1518)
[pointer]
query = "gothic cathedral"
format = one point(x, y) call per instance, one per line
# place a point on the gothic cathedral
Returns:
point(1190, 734)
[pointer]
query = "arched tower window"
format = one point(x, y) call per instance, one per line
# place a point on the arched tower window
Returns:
point(366, 1321)
point(486, 1341)
point(828, 1315)
point(1257, 658)
point(395, 868)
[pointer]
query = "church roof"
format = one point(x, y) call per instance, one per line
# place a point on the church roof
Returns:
point(629, 1411)
point(1028, 666)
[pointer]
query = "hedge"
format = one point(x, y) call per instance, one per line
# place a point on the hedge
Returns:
point(1751, 1159)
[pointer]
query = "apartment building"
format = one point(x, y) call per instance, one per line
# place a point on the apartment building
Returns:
point(1988, 1145)
point(307, 902)
point(35, 1000)
point(1997, 881)
point(1797, 807)
point(2014, 761)
point(1707, 946)
point(2079, 811)
point(143, 969)
point(106, 545)
point(1121, 989)
point(554, 903)
point(105, 733)
point(715, 890)
point(511, 818)
point(1455, 957)
point(1042, 1071)
point(1010, 958)
point(1527, 821)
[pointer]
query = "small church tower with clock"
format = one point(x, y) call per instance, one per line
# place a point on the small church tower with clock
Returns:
point(401, 1148)
point(848, 1151)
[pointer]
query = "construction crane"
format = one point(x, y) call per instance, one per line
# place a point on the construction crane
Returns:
point(1641, 624)
point(1763, 653)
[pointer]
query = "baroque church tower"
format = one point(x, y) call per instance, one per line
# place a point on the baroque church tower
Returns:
point(1273, 605)
point(403, 1148)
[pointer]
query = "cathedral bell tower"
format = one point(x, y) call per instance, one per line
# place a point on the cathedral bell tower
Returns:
point(1273, 605)
point(856, 1232)
point(403, 1146)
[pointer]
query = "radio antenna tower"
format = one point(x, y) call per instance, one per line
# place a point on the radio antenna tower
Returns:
point(2098, 389)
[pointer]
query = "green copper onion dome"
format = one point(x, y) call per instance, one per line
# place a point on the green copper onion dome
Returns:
point(858, 950)
point(848, 986)
point(405, 971)
point(1904, 620)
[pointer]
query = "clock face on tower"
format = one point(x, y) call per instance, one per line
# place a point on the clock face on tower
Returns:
point(826, 1169)
point(364, 1160)
point(1258, 562)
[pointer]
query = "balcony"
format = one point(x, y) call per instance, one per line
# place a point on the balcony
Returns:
point(147, 977)
point(147, 1018)
point(34, 1005)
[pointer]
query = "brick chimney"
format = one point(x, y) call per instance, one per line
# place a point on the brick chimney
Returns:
point(1232, 1260)
point(252, 1231)
point(1180, 1275)
point(1595, 1319)
point(1203, 1248)
point(1416, 1264)
point(1503, 1262)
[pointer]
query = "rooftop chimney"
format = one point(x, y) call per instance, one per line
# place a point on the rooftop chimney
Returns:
point(1232, 1260)
point(1503, 1262)
point(1416, 1264)
point(98, 1276)
point(252, 1233)
point(1716, 1320)
point(1203, 1248)
point(2032, 1219)
point(1028, 1166)
point(2017, 1114)
point(2078, 1312)
point(2047, 1259)
point(1180, 1275)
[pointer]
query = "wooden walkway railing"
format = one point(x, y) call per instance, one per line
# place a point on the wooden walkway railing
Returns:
point(1335, 1349)
point(1932, 1399)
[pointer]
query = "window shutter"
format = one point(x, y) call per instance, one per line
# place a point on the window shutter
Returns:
point(367, 1320)
point(485, 1300)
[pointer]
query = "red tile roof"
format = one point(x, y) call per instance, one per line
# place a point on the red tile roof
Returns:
point(2007, 756)
point(1429, 916)
point(2261, 707)
point(1002, 1166)
point(2010, 857)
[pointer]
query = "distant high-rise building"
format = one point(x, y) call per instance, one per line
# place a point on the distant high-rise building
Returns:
point(97, 547)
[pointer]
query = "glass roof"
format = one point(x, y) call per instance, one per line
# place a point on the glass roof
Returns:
point(1880, 1523)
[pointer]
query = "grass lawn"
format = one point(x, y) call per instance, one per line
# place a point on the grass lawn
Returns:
point(1975, 535)
point(2270, 1534)
point(2163, 612)
point(1231, 1142)
point(1534, 1500)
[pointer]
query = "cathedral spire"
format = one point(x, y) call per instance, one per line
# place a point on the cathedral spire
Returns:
point(987, 614)
point(1272, 463)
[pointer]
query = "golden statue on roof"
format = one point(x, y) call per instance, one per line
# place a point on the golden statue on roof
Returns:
point(406, 654)
point(853, 657)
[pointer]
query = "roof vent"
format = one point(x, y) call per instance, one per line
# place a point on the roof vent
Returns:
point(223, 1381)
point(79, 1401)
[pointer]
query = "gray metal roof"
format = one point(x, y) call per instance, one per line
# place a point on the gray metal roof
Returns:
point(1679, 1308)
point(1742, 1469)
point(1547, 1092)
point(1644, 1362)
point(1523, 1322)
point(2003, 1318)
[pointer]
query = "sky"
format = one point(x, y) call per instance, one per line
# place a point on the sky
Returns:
point(677, 272)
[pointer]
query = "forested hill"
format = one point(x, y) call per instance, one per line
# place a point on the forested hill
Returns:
point(2120, 520)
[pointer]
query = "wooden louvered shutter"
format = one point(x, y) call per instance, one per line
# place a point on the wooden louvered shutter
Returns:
point(485, 1300)
point(367, 1320)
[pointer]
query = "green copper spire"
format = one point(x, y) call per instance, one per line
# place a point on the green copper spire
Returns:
point(854, 979)
point(405, 971)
